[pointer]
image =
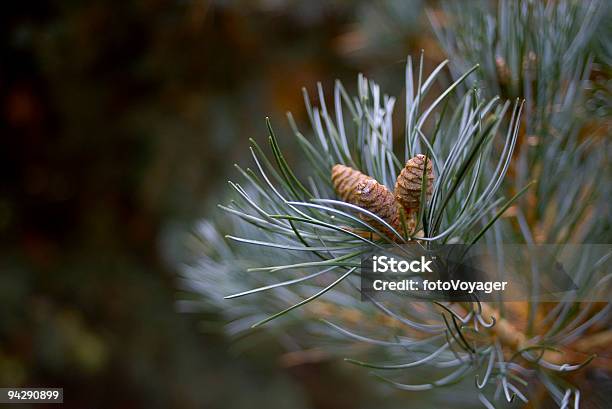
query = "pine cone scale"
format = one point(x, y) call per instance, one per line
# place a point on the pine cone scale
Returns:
point(377, 199)
point(345, 180)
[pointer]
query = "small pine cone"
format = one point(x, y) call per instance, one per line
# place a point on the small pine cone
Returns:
point(345, 181)
point(359, 189)
point(409, 182)
point(503, 72)
point(376, 198)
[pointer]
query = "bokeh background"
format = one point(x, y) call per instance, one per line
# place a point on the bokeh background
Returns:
point(120, 122)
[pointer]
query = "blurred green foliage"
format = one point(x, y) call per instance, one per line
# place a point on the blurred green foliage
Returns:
point(119, 122)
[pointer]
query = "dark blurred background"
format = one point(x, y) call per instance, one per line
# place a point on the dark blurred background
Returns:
point(120, 122)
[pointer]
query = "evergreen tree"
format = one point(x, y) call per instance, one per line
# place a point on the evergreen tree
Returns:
point(518, 148)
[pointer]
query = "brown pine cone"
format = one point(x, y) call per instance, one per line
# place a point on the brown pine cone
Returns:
point(362, 190)
point(376, 198)
point(503, 72)
point(345, 180)
point(408, 184)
